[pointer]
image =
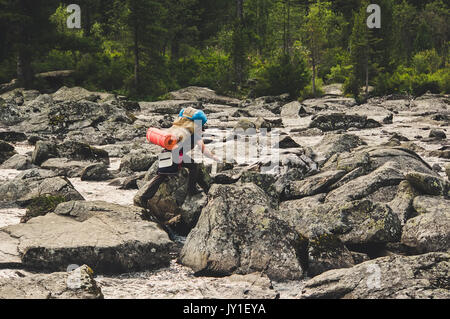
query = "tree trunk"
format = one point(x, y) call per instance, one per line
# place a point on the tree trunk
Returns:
point(239, 50)
point(314, 78)
point(136, 59)
point(24, 71)
point(288, 38)
point(367, 79)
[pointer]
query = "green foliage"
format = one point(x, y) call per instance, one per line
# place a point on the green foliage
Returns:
point(408, 81)
point(283, 75)
point(146, 48)
point(212, 68)
point(307, 92)
point(426, 61)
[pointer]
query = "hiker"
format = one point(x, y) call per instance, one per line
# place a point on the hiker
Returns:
point(187, 128)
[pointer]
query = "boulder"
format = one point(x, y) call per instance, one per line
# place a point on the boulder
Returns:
point(341, 121)
point(428, 232)
point(361, 224)
point(191, 210)
point(65, 167)
point(325, 252)
point(429, 184)
point(168, 199)
point(238, 234)
point(402, 204)
point(438, 134)
point(137, 162)
point(12, 136)
point(336, 144)
point(168, 107)
point(109, 238)
point(96, 172)
point(387, 175)
point(313, 185)
point(394, 277)
point(17, 162)
point(76, 284)
point(287, 142)
point(6, 151)
point(194, 93)
point(34, 183)
point(431, 204)
point(70, 149)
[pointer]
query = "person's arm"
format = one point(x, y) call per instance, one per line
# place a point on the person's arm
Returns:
point(206, 151)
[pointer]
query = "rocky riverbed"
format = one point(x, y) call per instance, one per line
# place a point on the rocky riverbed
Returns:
point(319, 199)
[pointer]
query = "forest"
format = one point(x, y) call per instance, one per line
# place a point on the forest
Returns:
point(244, 48)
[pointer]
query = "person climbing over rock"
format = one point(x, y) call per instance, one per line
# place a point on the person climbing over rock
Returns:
point(187, 130)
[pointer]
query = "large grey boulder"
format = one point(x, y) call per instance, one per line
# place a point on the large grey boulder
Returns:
point(341, 121)
point(358, 223)
point(69, 149)
point(393, 277)
point(35, 183)
point(107, 237)
point(18, 162)
point(76, 284)
point(238, 234)
point(336, 144)
point(430, 231)
point(137, 162)
point(194, 93)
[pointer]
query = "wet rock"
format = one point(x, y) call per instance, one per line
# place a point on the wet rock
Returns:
point(237, 233)
point(6, 151)
point(393, 277)
point(77, 284)
point(96, 172)
point(109, 238)
point(341, 121)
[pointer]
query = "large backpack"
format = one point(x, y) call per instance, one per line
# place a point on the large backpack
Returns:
point(183, 127)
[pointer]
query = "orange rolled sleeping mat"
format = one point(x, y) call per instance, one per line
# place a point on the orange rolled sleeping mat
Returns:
point(162, 138)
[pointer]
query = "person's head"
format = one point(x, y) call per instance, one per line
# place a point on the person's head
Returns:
point(198, 117)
